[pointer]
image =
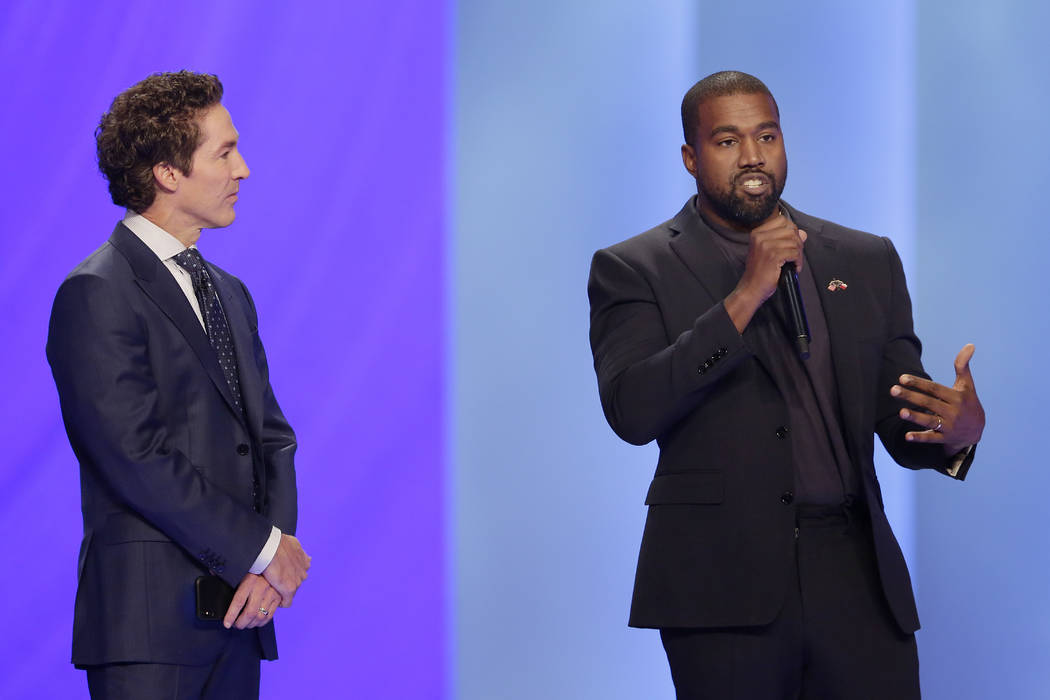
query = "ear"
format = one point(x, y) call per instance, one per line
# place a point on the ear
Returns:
point(167, 176)
point(689, 158)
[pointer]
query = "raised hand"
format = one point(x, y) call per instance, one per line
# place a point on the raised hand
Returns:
point(772, 244)
point(951, 415)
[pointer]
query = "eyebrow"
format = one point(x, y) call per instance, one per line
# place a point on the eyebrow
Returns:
point(733, 129)
point(228, 144)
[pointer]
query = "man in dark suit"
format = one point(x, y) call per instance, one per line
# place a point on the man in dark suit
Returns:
point(186, 461)
point(767, 561)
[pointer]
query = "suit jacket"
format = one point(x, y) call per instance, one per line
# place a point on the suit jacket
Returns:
point(174, 480)
point(671, 367)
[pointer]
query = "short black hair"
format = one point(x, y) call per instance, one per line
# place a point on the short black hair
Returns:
point(153, 121)
point(721, 84)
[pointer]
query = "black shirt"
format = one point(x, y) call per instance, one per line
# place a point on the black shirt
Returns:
point(823, 473)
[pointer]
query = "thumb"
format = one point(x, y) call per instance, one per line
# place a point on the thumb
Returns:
point(962, 363)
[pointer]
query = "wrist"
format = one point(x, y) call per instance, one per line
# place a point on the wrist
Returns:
point(741, 305)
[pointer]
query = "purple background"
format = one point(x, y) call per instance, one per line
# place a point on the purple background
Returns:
point(339, 237)
point(393, 141)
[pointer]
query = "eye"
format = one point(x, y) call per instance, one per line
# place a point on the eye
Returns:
point(726, 143)
point(767, 138)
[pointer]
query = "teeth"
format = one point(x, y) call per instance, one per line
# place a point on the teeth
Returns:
point(753, 183)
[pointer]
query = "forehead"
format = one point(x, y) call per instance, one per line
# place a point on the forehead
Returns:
point(741, 111)
point(216, 127)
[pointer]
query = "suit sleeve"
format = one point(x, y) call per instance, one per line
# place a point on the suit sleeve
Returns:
point(647, 384)
point(902, 354)
point(278, 441)
point(100, 357)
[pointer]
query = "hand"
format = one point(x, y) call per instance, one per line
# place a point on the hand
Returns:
point(953, 415)
point(287, 570)
point(252, 597)
point(772, 244)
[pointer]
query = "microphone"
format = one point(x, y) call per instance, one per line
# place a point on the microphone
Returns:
point(797, 323)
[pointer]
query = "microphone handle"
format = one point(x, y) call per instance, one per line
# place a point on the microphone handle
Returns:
point(797, 311)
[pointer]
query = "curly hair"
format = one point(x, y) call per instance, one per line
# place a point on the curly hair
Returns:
point(721, 84)
point(153, 121)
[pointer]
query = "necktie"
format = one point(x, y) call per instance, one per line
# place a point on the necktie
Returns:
point(215, 323)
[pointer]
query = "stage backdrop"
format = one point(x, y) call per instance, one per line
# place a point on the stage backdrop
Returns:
point(429, 180)
point(340, 108)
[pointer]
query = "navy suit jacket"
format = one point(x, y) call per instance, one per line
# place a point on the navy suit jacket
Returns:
point(174, 480)
point(671, 367)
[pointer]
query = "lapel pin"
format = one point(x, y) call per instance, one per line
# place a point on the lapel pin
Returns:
point(835, 285)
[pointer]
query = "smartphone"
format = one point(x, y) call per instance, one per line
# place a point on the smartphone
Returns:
point(213, 598)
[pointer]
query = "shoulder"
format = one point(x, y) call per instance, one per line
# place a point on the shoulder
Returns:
point(100, 274)
point(847, 239)
point(643, 245)
point(844, 239)
point(648, 248)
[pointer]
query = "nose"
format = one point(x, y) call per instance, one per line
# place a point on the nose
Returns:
point(241, 170)
point(751, 155)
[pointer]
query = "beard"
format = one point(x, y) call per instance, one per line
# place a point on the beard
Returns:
point(741, 209)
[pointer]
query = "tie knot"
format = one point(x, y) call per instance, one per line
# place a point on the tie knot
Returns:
point(190, 260)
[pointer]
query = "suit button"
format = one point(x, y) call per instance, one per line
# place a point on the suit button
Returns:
point(782, 432)
point(787, 497)
point(242, 449)
point(722, 352)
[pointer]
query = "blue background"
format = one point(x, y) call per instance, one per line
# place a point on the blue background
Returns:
point(428, 183)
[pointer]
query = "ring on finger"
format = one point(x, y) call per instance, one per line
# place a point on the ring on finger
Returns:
point(264, 612)
point(940, 422)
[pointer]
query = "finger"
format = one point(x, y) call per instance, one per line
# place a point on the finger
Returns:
point(920, 400)
point(272, 602)
point(250, 614)
point(240, 596)
point(931, 421)
point(962, 364)
point(927, 387)
point(924, 436)
point(803, 235)
point(264, 613)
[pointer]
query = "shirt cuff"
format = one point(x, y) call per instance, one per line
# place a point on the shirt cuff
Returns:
point(957, 460)
point(268, 550)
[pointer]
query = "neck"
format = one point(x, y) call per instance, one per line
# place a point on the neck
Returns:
point(166, 219)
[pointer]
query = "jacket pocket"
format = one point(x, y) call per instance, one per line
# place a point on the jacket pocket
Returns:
point(127, 527)
point(687, 488)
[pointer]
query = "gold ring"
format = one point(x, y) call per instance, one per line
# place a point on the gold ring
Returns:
point(264, 612)
point(937, 428)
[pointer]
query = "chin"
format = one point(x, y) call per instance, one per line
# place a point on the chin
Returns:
point(224, 221)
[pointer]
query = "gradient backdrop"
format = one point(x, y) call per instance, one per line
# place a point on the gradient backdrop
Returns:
point(429, 180)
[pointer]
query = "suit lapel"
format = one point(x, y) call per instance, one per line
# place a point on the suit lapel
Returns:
point(693, 242)
point(840, 314)
point(161, 287)
point(243, 347)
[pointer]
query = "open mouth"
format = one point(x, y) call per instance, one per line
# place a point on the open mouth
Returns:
point(753, 183)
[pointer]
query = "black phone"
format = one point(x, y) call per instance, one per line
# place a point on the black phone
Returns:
point(213, 598)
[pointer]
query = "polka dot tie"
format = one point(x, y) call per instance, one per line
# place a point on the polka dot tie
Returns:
point(214, 319)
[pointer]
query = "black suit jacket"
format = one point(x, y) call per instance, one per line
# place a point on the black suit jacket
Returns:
point(174, 480)
point(672, 367)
